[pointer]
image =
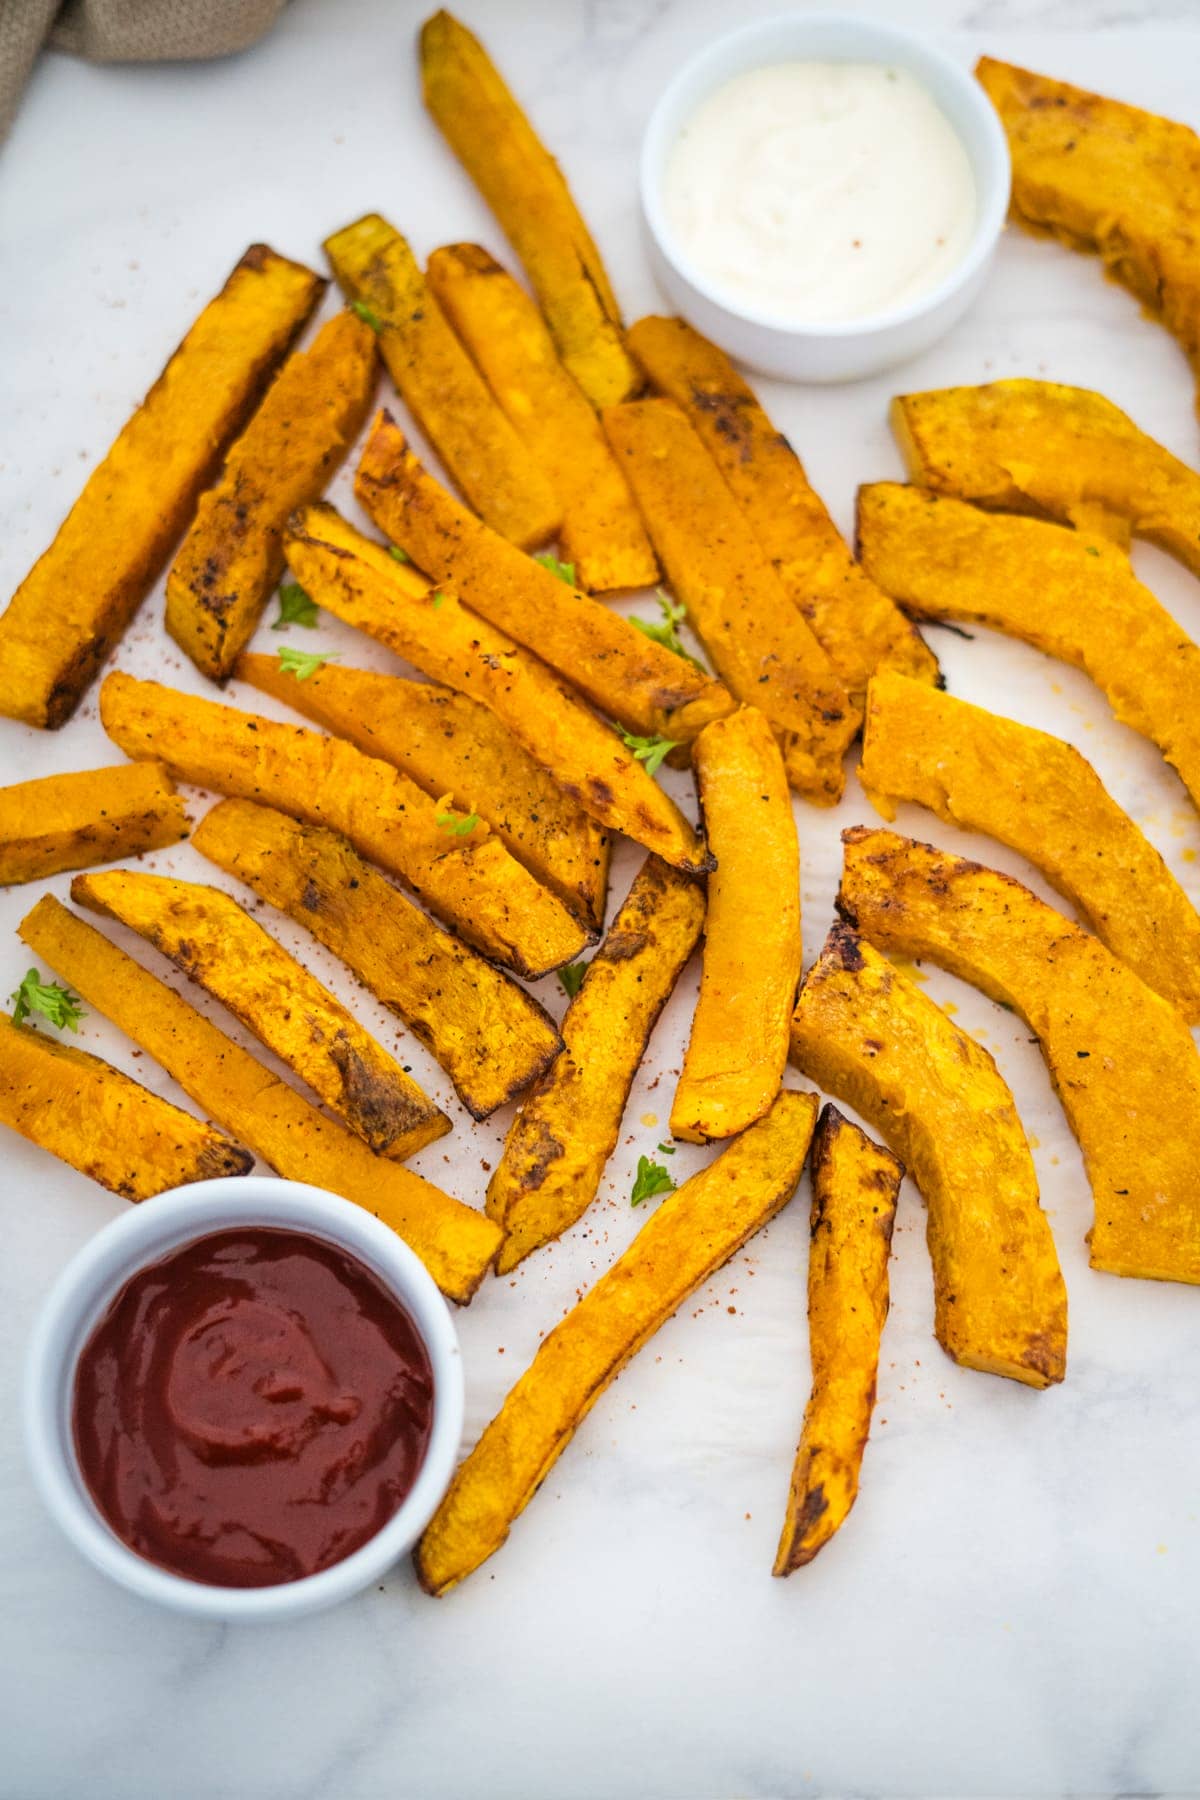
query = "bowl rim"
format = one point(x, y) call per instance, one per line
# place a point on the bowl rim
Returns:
point(874, 39)
point(90, 1281)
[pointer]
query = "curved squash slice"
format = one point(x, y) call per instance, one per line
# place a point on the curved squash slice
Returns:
point(1039, 796)
point(1065, 592)
point(1121, 1059)
point(92, 816)
point(877, 1042)
point(298, 1141)
point(102, 1122)
point(694, 1231)
point(1058, 452)
point(218, 945)
point(855, 1186)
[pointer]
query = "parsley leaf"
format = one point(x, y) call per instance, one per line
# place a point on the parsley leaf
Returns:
point(572, 978)
point(667, 634)
point(564, 571)
point(650, 751)
point(55, 1003)
point(457, 825)
point(436, 598)
point(1092, 550)
point(652, 1179)
point(399, 554)
point(295, 607)
point(366, 315)
point(303, 663)
point(667, 1149)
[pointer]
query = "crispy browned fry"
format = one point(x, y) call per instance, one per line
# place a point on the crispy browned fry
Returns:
point(1058, 452)
point(78, 598)
point(760, 644)
point(738, 1047)
point(568, 1126)
point(693, 1232)
point(466, 877)
point(102, 1122)
point(1104, 176)
point(935, 1096)
point(450, 744)
point(455, 1242)
point(622, 672)
point(232, 556)
point(1038, 795)
point(1121, 1059)
point(854, 622)
point(360, 584)
point(447, 395)
point(855, 1185)
point(93, 816)
point(524, 187)
point(219, 946)
point(490, 1036)
point(1068, 593)
point(602, 537)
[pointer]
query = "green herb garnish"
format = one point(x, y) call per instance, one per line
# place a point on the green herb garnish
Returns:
point(667, 634)
point(564, 571)
point(571, 978)
point(456, 824)
point(650, 751)
point(295, 607)
point(399, 554)
point(303, 663)
point(667, 1149)
point(652, 1179)
point(436, 598)
point(366, 315)
point(56, 1004)
point(1092, 550)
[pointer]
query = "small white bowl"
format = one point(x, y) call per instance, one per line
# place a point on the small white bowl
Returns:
point(836, 352)
point(143, 1235)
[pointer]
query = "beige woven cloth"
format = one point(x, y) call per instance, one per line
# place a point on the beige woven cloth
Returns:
point(122, 31)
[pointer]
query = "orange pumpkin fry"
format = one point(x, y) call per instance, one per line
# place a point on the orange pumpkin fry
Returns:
point(93, 816)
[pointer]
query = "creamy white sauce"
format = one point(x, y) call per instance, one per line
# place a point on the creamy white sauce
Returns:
point(821, 192)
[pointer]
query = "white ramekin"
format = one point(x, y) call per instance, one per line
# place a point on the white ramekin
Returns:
point(143, 1235)
point(823, 353)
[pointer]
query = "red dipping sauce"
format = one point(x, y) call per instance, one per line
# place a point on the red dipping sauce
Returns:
point(252, 1408)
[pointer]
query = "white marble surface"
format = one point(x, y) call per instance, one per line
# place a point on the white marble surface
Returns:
point(1013, 1606)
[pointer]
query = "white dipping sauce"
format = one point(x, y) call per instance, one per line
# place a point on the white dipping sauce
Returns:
point(821, 192)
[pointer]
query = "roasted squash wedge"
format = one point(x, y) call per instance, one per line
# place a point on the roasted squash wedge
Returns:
point(759, 643)
point(1058, 452)
point(621, 671)
point(873, 1039)
point(488, 1034)
point(232, 556)
point(523, 185)
point(444, 390)
point(450, 744)
point(219, 946)
point(602, 537)
point(455, 1242)
point(95, 816)
point(1121, 1059)
point(1038, 795)
point(738, 1047)
point(357, 581)
point(466, 878)
point(855, 1187)
point(102, 1122)
point(1107, 177)
point(693, 1232)
point(1068, 593)
point(568, 1127)
point(74, 604)
point(859, 628)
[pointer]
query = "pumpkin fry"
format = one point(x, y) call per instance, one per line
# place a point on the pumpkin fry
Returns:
point(874, 1040)
point(232, 556)
point(855, 1186)
point(522, 183)
point(76, 601)
point(221, 948)
point(455, 1242)
point(602, 536)
point(693, 1232)
point(568, 1126)
point(447, 395)
point(738, 1047)
point(1121, 1059)
point(1038, 795)
point(859, 628)
point(93, 816)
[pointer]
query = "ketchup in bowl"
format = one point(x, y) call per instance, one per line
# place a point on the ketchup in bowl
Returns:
point(252, 1408)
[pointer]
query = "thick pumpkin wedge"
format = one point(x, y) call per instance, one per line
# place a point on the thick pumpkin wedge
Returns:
point(93, 816)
